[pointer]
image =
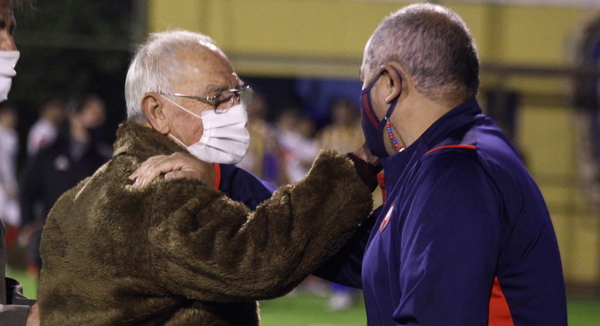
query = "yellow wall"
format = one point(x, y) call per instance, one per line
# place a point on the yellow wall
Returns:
point(310, 31)
point(326, 38)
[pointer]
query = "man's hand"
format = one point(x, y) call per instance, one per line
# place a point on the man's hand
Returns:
point(174, 166)
point(33, 318)
point(365, 154)
point(367, 166)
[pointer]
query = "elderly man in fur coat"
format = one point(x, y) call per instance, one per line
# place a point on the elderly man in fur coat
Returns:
point(179, 251)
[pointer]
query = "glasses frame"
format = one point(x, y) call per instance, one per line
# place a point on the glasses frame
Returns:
point(212, 100)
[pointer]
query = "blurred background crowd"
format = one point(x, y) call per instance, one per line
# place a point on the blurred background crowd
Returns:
point(540, 83)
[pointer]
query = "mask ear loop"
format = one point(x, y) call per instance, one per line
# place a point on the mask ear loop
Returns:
point(177, 140)
point(184, 109)
point(181, 107)
point(388, 124)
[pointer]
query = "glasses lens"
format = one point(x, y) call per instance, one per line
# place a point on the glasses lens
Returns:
point(227, 99)
point(224, 101)
point(246, 95)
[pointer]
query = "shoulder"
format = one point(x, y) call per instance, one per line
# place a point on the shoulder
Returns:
point(453, 171)
point(488, 164)
point(109, 194)
point(450, 159)
point(481, 146)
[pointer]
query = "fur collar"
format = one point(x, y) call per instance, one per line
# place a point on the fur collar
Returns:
point(143, 142)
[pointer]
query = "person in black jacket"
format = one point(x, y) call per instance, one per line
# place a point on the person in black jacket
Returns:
point(75, 155)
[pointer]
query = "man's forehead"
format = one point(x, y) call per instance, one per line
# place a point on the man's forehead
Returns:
point(208, 71)
point(202, 58)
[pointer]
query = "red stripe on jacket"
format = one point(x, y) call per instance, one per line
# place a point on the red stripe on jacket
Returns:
point(452, 146)
point(381, 182)
point(499, 314)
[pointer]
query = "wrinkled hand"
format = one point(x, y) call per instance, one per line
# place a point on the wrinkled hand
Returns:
point(174, 166)
point(365, 154)
point(367, 166)
point(33, 317)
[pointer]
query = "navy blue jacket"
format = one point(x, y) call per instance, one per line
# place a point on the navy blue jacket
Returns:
point(464, 236)
point(241, 185)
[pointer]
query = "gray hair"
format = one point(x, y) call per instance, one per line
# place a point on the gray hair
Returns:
point(156, 65)
point(433, 44)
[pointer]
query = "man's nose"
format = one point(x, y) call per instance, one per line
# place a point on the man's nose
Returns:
point(6, 42)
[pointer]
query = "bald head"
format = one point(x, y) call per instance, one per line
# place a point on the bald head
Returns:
point(433, 44)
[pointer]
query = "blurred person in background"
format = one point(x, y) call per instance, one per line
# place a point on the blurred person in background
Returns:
point(41, 134)
point(299, 149)
point(344, 134)
point(45, 129)
point(264, 156)
point(183, 252)
point(15, 309)
point(74, 155)
point(295, 132)
point(9, 147)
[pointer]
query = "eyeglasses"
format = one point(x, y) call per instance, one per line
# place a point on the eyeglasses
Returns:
point(226, 99)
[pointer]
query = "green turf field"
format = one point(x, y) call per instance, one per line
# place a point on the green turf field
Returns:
point(305, 310)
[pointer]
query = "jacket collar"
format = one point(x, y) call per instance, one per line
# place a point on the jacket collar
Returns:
point(461, 115)
point(141, 141)
point(456, 118)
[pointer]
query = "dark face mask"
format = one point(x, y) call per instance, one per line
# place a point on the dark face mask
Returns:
point(371, 125)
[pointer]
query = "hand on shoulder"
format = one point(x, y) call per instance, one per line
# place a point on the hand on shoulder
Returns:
point(175, 166)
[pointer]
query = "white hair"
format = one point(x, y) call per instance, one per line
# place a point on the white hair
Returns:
point(156, 65)
point(433, 44)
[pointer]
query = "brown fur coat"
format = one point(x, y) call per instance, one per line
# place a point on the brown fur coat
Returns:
point(179, 252)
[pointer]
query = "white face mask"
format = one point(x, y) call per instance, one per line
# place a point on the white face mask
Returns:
point(8, 61)
point(225, 138)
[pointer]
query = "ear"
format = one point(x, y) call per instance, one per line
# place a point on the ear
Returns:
point(153, 106)
point(394, 81)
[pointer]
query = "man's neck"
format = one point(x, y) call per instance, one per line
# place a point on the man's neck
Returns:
point(416, 115)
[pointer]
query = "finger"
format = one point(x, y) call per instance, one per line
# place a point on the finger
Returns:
point(144, 166)
point(134, 175)
point(148, 166)
point(178, 175)
point(159, 166)
point(149, 175)
point(168, 164)
point(144, 171)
